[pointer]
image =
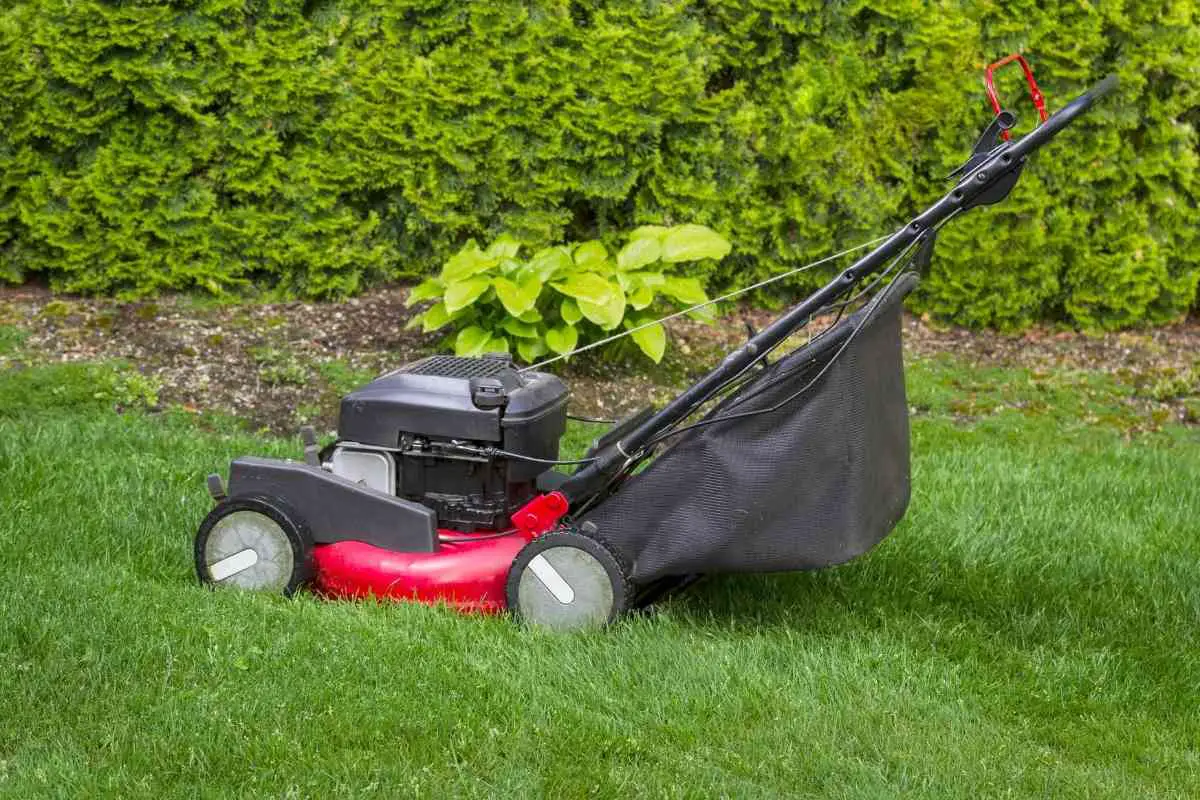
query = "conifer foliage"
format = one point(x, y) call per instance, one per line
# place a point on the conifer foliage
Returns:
point(314, 146)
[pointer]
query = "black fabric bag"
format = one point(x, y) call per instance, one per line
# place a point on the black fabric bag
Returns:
point(817, 482)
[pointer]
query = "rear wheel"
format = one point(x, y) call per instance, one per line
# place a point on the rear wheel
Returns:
point(255, 544)
point(568, 581)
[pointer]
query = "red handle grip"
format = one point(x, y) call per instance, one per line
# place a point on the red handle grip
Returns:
point(1039, 100)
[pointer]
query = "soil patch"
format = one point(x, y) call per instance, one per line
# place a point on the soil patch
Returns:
point(279, 365)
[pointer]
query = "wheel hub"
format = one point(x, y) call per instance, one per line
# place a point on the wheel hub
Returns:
point(249, 550)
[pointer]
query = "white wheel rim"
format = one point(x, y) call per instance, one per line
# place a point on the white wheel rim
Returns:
point(249, 550)
point(565, 588)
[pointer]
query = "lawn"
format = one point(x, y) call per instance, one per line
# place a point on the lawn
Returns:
point(1030, 628)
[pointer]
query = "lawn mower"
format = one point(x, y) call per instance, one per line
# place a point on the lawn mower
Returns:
point(441, 485)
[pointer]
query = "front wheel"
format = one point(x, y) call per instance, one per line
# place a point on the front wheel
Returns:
point(568, 581)
point(256, 544)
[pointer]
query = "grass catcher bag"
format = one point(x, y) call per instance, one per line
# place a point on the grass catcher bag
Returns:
point(805, 466)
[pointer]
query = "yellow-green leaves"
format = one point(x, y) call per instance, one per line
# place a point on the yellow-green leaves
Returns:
point(648, 231)
point(606, 314)
point(434, 318)
point(550, 262)
point(522, 330)
point(587, 286)
point(562, 295)
point(639, 252)
point(590, 254)
point(467, 262)
point(562, 339)
point(569, 311)
point(530, 350)
point(518, 298)
point(686, 290)
point(472, 341)
point(651, 339)
point(504, 247)
point(426, 290)
point(460, 295)
point(641, 297)
point(692, 243)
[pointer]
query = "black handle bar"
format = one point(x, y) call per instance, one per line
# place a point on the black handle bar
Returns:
point(1062, 118)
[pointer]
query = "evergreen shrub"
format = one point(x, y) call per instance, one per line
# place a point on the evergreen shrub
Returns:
point(314, 146)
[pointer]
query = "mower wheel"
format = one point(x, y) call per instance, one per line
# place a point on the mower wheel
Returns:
point(568, 581)
point(254, 543)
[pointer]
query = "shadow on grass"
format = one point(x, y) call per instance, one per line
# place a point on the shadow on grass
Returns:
point(1104, 605)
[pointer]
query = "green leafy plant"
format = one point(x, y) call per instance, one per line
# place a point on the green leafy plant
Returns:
point(130, 389)
point(11, 339)
point(279, 366)
point(563, 297)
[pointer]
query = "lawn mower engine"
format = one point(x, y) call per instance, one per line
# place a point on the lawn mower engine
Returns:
point(465, 437)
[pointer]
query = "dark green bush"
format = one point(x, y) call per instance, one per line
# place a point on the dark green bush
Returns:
point(313, 146)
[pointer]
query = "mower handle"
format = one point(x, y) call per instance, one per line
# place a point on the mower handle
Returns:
point(1062, 118)
point(986, 180)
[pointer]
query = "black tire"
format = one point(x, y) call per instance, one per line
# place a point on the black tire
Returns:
point(282, 545)
point(568, 581)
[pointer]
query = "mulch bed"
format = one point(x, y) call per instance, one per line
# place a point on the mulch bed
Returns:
point(281, 364)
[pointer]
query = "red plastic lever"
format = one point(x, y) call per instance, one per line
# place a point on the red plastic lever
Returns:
point(1039, 100)
point(541, 513)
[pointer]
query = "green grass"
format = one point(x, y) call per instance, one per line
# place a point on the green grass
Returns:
point(342, 377)
point(1030, 628)
point(11, 339)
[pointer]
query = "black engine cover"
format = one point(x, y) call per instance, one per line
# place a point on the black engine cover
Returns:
point(484, 402)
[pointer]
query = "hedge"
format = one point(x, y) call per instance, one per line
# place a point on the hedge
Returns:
point(316, 146)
